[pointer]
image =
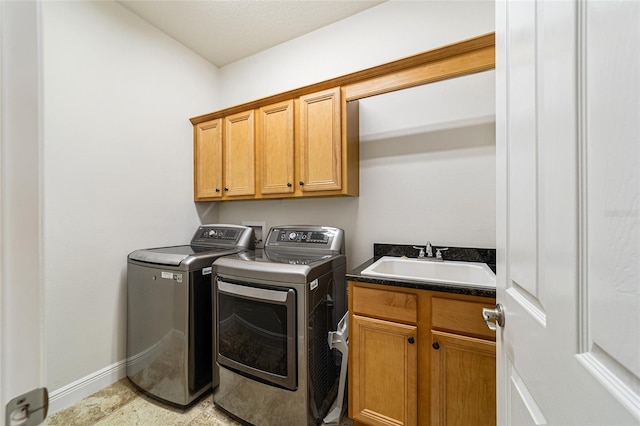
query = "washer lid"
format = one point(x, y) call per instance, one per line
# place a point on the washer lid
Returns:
point(173, 255)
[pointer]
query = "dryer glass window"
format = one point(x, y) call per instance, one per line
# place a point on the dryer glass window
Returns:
point(256, 332)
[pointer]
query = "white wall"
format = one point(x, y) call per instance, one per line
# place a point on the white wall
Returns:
point(427, 160)
point(117, 170)
point(384, 33)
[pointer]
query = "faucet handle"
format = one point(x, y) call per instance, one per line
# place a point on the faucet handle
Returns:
point(421, 254)
point(439, 252)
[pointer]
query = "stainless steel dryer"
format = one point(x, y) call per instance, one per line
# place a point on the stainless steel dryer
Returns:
point(169, 328)
point(274, 310)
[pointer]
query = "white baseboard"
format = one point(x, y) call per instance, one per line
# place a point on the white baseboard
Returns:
point(68, 395)
point(74, 392)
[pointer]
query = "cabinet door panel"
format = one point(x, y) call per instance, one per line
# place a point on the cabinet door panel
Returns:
point(463, 380)
point(385, 368)
point(320, 141)
point(208, 160)
point(275, 140)
point(239, 154)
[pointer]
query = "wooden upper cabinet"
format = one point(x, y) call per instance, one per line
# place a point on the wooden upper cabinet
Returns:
point(300, 147)
point(239, 154)
point(207, 152)
point(275, 148)
point(320, 155)
point(326, 127)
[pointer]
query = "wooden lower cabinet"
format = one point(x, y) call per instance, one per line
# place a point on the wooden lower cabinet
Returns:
point(463, 373)
point(419, 357)
point(385, 383)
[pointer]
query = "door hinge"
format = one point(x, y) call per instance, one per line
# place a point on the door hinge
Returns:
point(29, 409)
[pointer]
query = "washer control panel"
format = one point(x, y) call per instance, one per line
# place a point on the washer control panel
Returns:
point(233, 235)
point(220, 233)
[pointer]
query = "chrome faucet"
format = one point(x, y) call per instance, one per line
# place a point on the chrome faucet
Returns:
point(428, 248)
point(426, 252)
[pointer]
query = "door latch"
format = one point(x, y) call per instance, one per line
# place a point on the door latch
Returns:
point(29, 409)
point(491, 315)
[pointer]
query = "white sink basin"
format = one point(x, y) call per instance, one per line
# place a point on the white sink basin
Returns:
point(447, 272)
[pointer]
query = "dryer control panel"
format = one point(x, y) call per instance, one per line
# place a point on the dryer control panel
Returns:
point(307, 236)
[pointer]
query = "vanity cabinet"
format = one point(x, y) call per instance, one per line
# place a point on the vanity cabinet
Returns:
point(224, 165)
point(419, 357)
point(384, 357)
point(463, 364)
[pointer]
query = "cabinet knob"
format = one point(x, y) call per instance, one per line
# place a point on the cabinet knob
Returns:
point(411, 340)
point(301, 183)
point(217, 189)
point(289, 184)
point(435, 345)
point(226, 189)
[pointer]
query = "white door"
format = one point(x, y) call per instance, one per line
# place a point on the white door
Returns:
point(568, 239)
point(21, 305)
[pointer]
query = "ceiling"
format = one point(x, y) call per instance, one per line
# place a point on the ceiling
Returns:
point(224, 31)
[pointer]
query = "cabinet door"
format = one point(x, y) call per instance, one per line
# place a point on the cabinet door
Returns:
point(207, 168)
point(384, 372)
point(239, 155)
point(275, 139)
point(463, 380)
point(320, 141)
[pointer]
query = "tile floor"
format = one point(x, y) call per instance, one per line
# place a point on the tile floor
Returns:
point(122, 404)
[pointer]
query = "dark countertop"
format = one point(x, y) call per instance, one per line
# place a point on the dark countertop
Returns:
point(356, 275)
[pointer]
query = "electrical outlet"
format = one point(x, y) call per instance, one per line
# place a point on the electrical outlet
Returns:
point(260, 229)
